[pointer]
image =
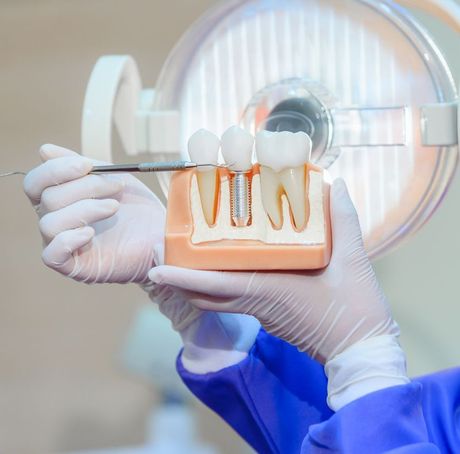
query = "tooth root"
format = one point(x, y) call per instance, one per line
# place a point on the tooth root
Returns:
point(208, 185)
point(294, 184)
point(271, 195)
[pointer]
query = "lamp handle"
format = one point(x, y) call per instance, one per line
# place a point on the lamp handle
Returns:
point(112, 97)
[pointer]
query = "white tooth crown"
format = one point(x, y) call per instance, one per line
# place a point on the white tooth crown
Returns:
point(283, 150)
point(203, 148)
point(237, 145)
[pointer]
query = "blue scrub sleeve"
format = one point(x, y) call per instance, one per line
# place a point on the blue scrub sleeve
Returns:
point(422, 417)
point(271, 398)
point(441, 408)
point(276, 400)
point(388, 421)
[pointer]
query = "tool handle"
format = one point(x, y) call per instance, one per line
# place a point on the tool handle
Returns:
point(110, 168)
point(165, 166)
point(145, 167)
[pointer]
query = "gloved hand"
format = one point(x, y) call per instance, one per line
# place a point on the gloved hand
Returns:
point(96, 229)
point(323, 313)
point(110, 229)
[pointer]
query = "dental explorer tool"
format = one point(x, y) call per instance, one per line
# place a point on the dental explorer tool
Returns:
point(172, 166)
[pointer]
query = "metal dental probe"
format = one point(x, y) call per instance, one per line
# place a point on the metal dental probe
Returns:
point(172, 166)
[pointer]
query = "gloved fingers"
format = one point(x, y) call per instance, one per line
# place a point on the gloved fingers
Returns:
point(50, 151)
point(54, 172)
point(79, 214)
point(346, 231)
point(210, 303)
point(214, 283)
point(59, 254)
point(88, 187)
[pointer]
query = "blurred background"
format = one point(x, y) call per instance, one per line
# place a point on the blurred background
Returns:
point(63, 384)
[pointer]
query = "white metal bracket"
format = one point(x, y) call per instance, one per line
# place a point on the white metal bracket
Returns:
point(440, 124)
point(115, 100)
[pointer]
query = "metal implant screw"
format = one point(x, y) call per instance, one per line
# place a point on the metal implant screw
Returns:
point(240, 198)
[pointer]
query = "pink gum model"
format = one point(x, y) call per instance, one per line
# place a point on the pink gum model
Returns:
point(242, 255)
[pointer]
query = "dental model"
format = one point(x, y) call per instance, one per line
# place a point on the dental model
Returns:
point(272, 215)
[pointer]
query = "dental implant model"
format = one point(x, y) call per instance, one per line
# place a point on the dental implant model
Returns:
point(237, 151)
point(270, 215)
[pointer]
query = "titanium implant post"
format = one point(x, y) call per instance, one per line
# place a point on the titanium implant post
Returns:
point(240, 198)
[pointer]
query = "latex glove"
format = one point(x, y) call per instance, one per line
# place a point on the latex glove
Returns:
point(110, 228)
point(96, 229)
point(323, 313)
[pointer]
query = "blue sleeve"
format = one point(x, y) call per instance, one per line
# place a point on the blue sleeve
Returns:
point(271, 398)
point(276, 400)
point(422, 417)
point(388, 421)
point(441, 408)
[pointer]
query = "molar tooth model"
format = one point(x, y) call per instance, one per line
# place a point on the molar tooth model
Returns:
point(283, 157)
point(273, 215)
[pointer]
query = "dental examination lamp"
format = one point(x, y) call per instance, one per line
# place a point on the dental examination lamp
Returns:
point(363, 78)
